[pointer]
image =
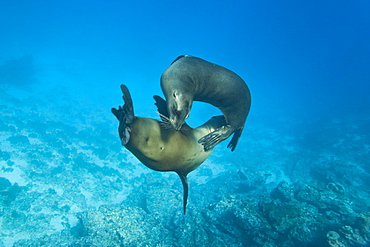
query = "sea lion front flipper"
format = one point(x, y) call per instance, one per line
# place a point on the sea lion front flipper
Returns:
point(212, 139)
point(185, 184)
point(214, 123)
point(161, 106)
point(163, 112)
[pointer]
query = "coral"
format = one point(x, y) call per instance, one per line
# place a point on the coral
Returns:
point(334, 240)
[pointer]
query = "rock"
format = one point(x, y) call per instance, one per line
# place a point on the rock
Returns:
point(284, 192)
point(239, 217)
point(327, 201)
point(352, 236)
point(363, 224)
point(295, 222)
point(336, 187)
point(4, 184)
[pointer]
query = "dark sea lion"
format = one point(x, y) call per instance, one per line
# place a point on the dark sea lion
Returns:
point(191, 79)
point(157, 145)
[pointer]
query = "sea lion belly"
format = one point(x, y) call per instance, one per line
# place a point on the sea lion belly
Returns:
point(161, 149)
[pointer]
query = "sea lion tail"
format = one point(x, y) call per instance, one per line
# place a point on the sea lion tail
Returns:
point(185, 184)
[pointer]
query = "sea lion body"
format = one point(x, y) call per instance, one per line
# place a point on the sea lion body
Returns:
point(163, 149)
point(158, 146)
point(191, 79)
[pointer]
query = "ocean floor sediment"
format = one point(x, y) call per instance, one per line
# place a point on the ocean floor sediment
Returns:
point(65, 180)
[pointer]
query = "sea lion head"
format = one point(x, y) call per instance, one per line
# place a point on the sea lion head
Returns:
point(178, 106)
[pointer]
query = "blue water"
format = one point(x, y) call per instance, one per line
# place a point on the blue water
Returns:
point(299, 176)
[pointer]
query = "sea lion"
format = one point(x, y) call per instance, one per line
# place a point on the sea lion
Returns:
point(191, 79)
point(157, 145)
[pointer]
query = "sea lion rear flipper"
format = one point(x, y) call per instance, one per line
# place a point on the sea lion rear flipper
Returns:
point(212, 139)
point(125, 115)
point(124, 133)
point(117, 112)
point(185, 184)
point(128, 107)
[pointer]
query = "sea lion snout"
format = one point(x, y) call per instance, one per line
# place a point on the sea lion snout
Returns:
point(176, 125)
point(179, 110)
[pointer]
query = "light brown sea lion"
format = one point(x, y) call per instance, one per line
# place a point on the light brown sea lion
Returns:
point(157, 145)
point(191, 79)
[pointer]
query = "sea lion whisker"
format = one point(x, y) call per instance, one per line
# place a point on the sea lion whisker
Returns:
point(165, 125)
point(164, 117)
point(165, 122)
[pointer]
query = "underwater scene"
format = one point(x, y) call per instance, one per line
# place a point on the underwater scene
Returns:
point(74, 172)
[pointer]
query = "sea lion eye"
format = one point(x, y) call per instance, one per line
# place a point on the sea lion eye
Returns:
point(174, 95)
